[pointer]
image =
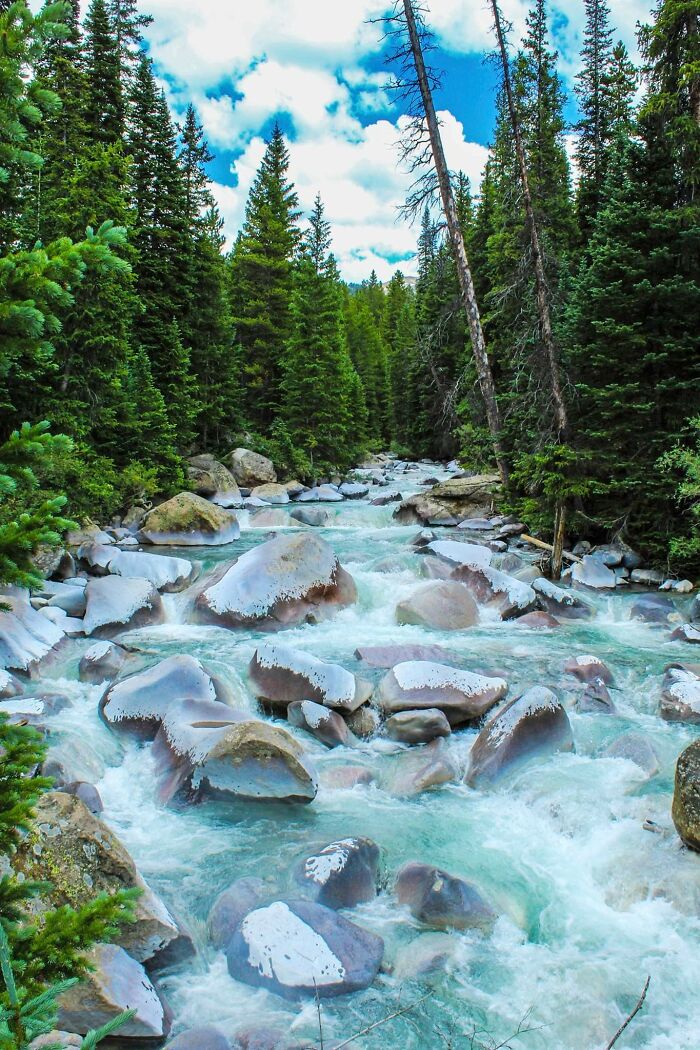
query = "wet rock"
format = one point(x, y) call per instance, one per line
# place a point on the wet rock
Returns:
point(443, 605)
point(654, 608)
point(476, 525)
point(81, 858)
point(32, 710)
point(560, 602)
point(231, 906)
point(441, 900)
point(165, 573)
point(687, 632)
point(116, 983)
point(87, 793)
point(280, 675)
point(537, 621)
point(417, 727)
point(189, 520)
point(321, 494)
point(70, 625)
point(316, 517)
point(10, 686)
point(264, 1038)
point(344, 778)
point(26, 637)
point(591, 573)
point(70, 599)
point(694, 613)
point(680, 696)
point(250, 469)
point(422, 509)
point(141, 702)
point(426, 954)
point(419, 685)
point(295, 488)
point(208, 751)
point(207, 1038)
point(342, 874)
point(353, 490)
point(456, 499)
point(453, 552)
point(635, 747)
point(390, 655)
point(298, 949)
point(287, 580)
point(686, 796)
point(325, 725)
point(421, 769)
point(494, 588)
point(532, 726)
point(647, 577)
point(271, 493)
point(595, 699)
point(102, 662)
point(116, 604)
point(677, 586)
point(386, 499)
point(587, 668)
point(364, 722)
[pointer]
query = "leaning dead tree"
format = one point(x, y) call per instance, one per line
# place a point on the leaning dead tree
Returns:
point(551, 358)
point(422, 147)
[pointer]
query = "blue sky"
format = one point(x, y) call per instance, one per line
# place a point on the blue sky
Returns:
point(316, 65)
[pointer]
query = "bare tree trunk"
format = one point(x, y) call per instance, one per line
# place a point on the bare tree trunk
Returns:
point(466, 284)
point(546, 333)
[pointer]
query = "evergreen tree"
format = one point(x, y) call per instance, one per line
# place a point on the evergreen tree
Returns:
point(104, 99)
point(369, 358)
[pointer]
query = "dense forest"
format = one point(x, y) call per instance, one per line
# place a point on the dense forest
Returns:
point(128, 325)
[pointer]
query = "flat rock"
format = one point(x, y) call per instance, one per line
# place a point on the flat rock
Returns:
point(591, 573)
point(287, 580)
point(686, 796)
point(353, 490)
point(443, 605)
point(325, 725)
point(417, 727)
point(491, 587)
point(26, 637)
point(537, 621)
point(301, 949)
point(271, 493)
point(250, 469)
point(115, 603)
point(102, 662)
point(390, 655)
point(441, 900)
point(342, 874)
point(530, 727)
point(559, 601)
point(280, 675)
point(462, 696)
point(188, 520)
point(680, 696)
point(231, 906)
point(164, 572)
point(456, 553)
point(587, 668)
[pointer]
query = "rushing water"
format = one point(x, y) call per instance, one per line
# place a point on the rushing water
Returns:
point(590, 902)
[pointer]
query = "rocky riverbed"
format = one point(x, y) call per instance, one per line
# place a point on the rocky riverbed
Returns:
point(353, 746)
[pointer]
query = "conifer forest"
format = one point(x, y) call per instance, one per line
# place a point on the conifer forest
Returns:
point(350, 628)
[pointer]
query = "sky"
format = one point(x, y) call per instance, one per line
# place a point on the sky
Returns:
point(316, 66)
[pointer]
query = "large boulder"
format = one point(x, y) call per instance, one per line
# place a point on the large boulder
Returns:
point(654, 608)
point(454, 553)
point(302, 949)
point(116, 983)
point(687, 632)
point(231, 906)
point(102, 662)
point(280, 675)
point(532, 726)
point(207, 750)
point(686, 796)
point(441, 900)
point(342, 874)
point(141, 702)
point(321, 494)
point(559, 601)
point(417, 727)
point(250, 469)
point(452, 500)
point(680, 696)
point(419, 685)
point(390, 655)
point(635, 747)
point(321, 722)
point(188, 520)
point(287, 580)
point(421, 769)
point(592, 574)
point(315, 517)
point(10, 686)
point(587, 668)
point(26, 637)
point(115, 603)
point(81, 857)
point(271, 493)
point(442, 604)
point(510, 597)
point(165, 573)
point(353, 490)
point(213, 480)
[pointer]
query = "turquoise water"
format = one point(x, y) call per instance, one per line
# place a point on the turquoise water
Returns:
point(590, 902)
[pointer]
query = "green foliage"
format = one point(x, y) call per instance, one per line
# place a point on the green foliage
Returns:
point(684, 461)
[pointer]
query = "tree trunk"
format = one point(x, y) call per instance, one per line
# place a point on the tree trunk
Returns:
point(466, 284)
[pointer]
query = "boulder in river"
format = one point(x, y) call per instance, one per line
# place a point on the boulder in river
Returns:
point(442, 604)
point(559, 601)
point(687, 632)
point(188, 520)
point(10, 686)
point(280, 675)
point(250, 469)
point(231, 906)
point(353, 490)
point(116, 983)
point(680, 696)
point(299, 949)
point(213, 480)
point(390, 655)
point(441, 900)
point(321, 494)
point(342, 874)
point(321, 722)
point(417, 727)
point(587, 668)
point(455, 499)
point(532, 726)
point(592, 574)
point(654, 608)
point(271, 493)
point(595, 699)
point(637, 748)
point(287, 580)
point(315, 517)
point(115, 603)
point(26, 637)
point(102, 662)
point(461, 695)
point(537, 620)
point(510, 597)
point(454, 552)
point(164, 572)
point(421, 769)
point(206, 1038)
point(141, 702)
point(686, 796)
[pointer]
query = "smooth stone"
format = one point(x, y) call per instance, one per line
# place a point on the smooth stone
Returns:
point(421, 769)
point(533, 726)
point(461, 695)
point(456, 553)
point(231, 907)
point(680, 696)
point(102, 662)
point(271, 493)
point(295, 488)
point(443, 605)
point(291, 579)
point(91, 534)
point(116, 604)
point(654, 608)
point(10, 686)
point(250, 469)
point(595, 699)
point(207, 1038)
point(453, 500)
point(70, 625)
point(164, 572)
point(537, 621)
point(635, 747)
point(315, 517)
point(559, 601)
point(321, 494)
point(353, 490)
point(687, 632)
point(647, 577)
point(476, 525)
point(54, 1038)
point(87, 793)
point(26, 637)
point(417, 727)
point(325, 725)
point(591, 573)
point(71, 600)
point(587, 668)
point(342, 874)
point(389, 655)
point(494, 588)
point(188, 520)
point(281, 675)
point(301, 949)
point(441, 900)
point(363, 722)
point(345, 778)
point(386, 499)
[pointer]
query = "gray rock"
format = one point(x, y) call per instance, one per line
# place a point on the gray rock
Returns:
point(10, 686)
point(70, 599)
point(301, 949)
point(686, 796)
point(271, 493)
point(353, 490)
point(321, 494)
point(647, 577)
point(654, 608)
point(164, 572)
point(102, 662)
point(537, 621)
point(281, 675)
point(687, 632)
point(87, 793)
point(533, 726)
point(417, 727)
point(188, 520)
point(559, 601)
point(342, 874)
point(250, 469)
point(325, 725)
point(635, 747)
point(344, 778)
point(66, 1040)
point(443, 605)
point(207, 1038)
point(26, 637)
point(441, 900)
point(213, 480)
point(595, 699)
point(680, 696)
point(231, 906)
point(419, 685)
point(116, 604)
point(363, 722)
point(491, 587)
point(591, 573)
point(421, 769)
point(386, 499)
point(316, 517)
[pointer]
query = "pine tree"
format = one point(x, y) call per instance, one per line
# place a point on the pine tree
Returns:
point(104, 100)
point(369, 358)
point(261, 281)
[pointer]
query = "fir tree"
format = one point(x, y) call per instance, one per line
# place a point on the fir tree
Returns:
point(104, 100)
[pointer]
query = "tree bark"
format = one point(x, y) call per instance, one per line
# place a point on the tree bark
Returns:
point(466, 283)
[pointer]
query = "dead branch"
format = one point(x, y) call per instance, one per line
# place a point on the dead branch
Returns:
point(383, 1020)
point(631, 1016)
